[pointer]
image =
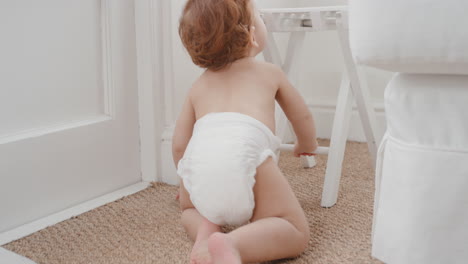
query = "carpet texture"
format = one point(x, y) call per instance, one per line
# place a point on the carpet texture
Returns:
point(145, 227)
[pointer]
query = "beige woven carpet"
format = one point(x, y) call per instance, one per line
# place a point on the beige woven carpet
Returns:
point(145, 227)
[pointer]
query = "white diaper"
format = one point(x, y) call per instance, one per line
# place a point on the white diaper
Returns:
point(219, 165)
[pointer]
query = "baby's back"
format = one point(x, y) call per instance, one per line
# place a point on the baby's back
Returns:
point(247, 86)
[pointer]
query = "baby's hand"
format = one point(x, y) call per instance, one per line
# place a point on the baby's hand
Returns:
point(305, 149)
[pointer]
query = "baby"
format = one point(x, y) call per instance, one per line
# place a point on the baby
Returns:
point(224, 143)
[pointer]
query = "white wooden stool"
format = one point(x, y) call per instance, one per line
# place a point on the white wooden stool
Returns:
point(299, 21)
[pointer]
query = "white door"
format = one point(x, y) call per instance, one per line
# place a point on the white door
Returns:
point(68, 104)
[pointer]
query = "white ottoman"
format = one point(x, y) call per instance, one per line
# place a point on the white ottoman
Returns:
point(421, 206)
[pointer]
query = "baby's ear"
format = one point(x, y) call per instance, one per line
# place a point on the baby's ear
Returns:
point(253, 40)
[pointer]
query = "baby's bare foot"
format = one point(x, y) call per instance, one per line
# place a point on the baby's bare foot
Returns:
point(200, 253)
point(222, 250)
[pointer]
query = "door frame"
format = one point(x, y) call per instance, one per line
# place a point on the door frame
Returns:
point(155, 83)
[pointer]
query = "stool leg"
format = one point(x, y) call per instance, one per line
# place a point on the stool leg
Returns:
point(295, 48)
point(293, 53)
point(360, 91)
point(338, 139)
point(271, 54)
point(292, 57)
point(289, 66)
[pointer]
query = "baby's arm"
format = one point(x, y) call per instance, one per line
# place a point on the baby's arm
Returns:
point(298, 114)
point(183, 131)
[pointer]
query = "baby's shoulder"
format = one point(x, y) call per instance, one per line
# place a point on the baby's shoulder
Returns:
point(270, 70)
point(198, 87)
point(268, 67)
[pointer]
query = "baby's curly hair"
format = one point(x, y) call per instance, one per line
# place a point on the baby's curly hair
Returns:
point(216, 32)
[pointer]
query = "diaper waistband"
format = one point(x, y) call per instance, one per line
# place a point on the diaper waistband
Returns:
point(221, 117)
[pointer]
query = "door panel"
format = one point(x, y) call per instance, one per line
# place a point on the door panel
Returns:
point(68, 105)
point(49, 54)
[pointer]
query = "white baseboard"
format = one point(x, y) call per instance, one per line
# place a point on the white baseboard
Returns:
point(27, 229)
point(323, 110)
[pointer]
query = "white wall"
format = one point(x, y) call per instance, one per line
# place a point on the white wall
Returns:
point(320, 69)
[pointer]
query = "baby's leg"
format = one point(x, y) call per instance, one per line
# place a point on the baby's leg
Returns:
point(278, 228)
point(198, 228)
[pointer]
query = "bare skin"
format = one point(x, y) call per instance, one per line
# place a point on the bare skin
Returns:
point(278, 228)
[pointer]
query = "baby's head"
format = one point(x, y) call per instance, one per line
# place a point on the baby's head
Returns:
point(218, 32)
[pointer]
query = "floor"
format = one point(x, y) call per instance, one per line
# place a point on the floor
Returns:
point(145, 227)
